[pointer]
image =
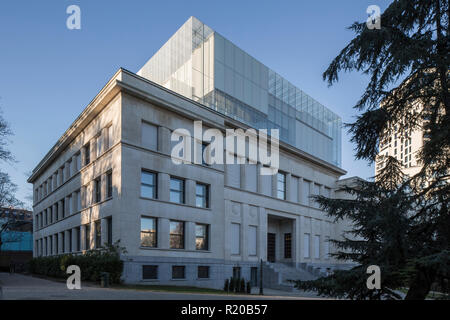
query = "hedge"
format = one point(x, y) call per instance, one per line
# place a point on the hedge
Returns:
point(91, 264)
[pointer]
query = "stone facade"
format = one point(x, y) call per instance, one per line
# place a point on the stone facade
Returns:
point(88, 191)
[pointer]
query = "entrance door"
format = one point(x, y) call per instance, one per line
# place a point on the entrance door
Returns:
point(271, 247)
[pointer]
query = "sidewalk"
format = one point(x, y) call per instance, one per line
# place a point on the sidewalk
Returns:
point(25, 287)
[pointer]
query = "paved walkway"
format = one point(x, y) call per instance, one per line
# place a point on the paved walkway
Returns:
point(23, 287)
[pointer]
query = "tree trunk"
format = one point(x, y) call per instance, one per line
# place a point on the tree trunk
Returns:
point(420, 286)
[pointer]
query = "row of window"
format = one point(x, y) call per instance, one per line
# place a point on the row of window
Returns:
point(149, 234)
point(103, 141)
point(150, 272)
point(149, 189)
point(73, 203)
point(56, 243)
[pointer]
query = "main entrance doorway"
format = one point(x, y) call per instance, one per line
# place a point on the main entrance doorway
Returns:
point(271, 247)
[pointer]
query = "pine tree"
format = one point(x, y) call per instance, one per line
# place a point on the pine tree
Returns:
point(401, 224)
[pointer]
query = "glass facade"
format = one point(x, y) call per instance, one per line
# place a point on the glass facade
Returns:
point(200, 64)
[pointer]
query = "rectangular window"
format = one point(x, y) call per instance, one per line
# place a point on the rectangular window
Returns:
point(87, 153)
point(206, 156)
point(305, 192)
point(87, 236)
point(98, 234)
point(176, 234)
point(281, 186)
point(287, 246)
point(235, 238)
point(78, 200)
point(149, 272)
point(326, 248)
point(254, 276)
point(317, 247)
point(99, 144)
point(109, 187)
point(202, 195)
point(97, 190)
point(70, 241)
point(78, 235)
point(109, 138)
point(109, 228)
point(77, 162)
point(56, 244)
point(69, 205)
point(178, 272)
point(148, 185)
point(176, 190)
point(148, 232)
point(237, 272)
point(149, 136)
point(63, 244)
point(201, 237)
point(252, 234)
point(306, 253)
point(202, 272)
point(69, 171)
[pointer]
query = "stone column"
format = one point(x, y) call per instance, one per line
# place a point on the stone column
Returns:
point(54, 247)
point(311, 192)
point(92, 235)
point(60, 243)
point(60, 176)
point(259, 182)
point(83, 237)
point(163, 186)
point(74, 240)
point(262, 234)
point(163, 233)
point(296, 240)
point(244, 231)
point(190, 187)
point(189, 235)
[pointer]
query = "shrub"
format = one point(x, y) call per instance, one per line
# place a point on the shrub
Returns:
point(232, 282)
point(226, 286)
point(249, 287)
point(242, 286)
point(92, 264)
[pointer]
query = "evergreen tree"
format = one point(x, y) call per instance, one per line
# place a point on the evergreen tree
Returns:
point(401, 224)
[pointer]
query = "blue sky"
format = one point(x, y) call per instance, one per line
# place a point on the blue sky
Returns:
point(50, 73)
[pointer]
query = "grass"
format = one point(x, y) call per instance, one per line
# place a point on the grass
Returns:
point(167, 288)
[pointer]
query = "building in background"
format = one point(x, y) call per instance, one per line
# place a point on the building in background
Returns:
point(16, 238)
point(111, 176)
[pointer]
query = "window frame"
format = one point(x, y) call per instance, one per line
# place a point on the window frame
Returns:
point(181, 192)
point(181, 236)
point(205, 237)
point(147, 231)
point(154, 186)
point(205, 197)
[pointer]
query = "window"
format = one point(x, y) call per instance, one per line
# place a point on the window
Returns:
point(148, 185)
point(202, 195)
point(56, 244)
point(178, 272)
point(203, 272)
point(99, 144)
point(252, 240)
point(305, 192)
point(281, 186)
point(63, 247)
point(235, 238)
point(306, 253)
point(254, 276)
point(98, 234)
point(287, 246)
point(87, 154)
point(109, 228)
point(69, 166)
point(109, 138)
point(77, 162)
point(176, 235)
point(78, 200)
point(326, 248)
point(149, 136)
point(149, 272)
point(201, 237)
point(237, 272)
point(109, 184)
point(70, 241)
point(148, 232)
point(317, 247)
point(78, 235)
point(87, 236)
point(206, 156)
point(176, 190)
point(97, 190)
point(69, 205)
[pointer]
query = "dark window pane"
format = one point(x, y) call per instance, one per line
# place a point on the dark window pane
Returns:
point(148, 232)
point(148, 185)
point(178, 272)
point(203, 272)
point(149, 272)
point(176, 234)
